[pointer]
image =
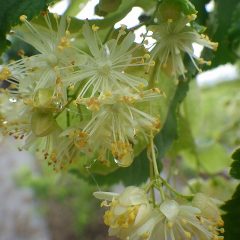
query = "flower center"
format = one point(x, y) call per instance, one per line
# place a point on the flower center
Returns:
point(104, 69)
point(51, 60)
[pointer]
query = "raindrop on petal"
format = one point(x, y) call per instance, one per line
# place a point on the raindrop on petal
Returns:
point(125, 161)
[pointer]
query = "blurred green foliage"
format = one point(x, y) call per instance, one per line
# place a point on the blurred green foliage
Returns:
point(64, 190)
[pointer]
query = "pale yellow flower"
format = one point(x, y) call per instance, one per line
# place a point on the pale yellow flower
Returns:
point(103, 69)
point(42, 70)
point(186, 222)
point(117, 122)
point(174, 39)
point(130, 215)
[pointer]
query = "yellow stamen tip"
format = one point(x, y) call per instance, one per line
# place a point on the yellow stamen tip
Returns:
point(170, 224)
point(146, 56)
point(68, 20)
point(67, 33)
point(152, 63)
point(215, 46)
point(95, 28)
point(188, 235)
point(5, 73)
point(192, 17)
point(56, 16)
point(23, 18)
point(123, 27)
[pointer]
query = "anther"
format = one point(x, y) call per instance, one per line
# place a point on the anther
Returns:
point(95, 28)
point(56, 16)
point(192, 17)
point(147, 56)
point(170, 224)
point(188, 234)
point(152, 63)
point(23, 18)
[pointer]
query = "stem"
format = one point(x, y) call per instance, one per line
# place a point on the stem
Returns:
point(136, 27)
point(68, 114)
point(108, 35)
point(152, 179)
point(155, 169)
point(161, 181)
point(188, 197)
point(70, 101)
point(151, 83)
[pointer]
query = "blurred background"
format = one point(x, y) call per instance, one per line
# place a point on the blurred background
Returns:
point(38, 204)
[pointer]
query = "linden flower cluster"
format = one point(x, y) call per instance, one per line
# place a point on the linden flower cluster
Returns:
point(36, 87)
point(113, 96)
point(118, 102)
point(132, 216)
point(174, 38)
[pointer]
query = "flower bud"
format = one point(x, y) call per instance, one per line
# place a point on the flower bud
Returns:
point(42, 123)
point(43, 98)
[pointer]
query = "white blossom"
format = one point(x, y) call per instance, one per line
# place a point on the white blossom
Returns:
point(175, 38)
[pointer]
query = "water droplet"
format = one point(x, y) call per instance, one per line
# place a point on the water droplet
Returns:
point(125, 161)
point(90, 164)
point(12, 99)
point(59, 105)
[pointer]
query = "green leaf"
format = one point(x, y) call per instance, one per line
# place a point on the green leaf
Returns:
point(169, 131)
point(184, 5)
point(220, 104)
point(108, 6)
point(232, 216)
point(207, 157)
point(146, 5)
point(10, 12)
point(192, 113)
point(232, 207)
point(202, 14)
point(235, 167)
point(198, 152)
point(76, 24)
point(219, 30)
point(210, 157)
point(75, 7)
point(136, 174)
point(133, 175)
point(234, 32)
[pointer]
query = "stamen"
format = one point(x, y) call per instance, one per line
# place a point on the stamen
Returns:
point(23, 18)
point(95, 28)
point(5, 74)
